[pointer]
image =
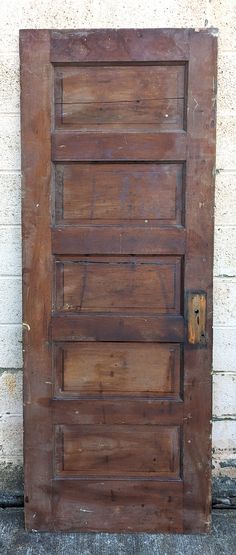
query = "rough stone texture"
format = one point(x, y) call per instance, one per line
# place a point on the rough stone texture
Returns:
point(10, 142)
point(10, 81)
point(225, 241)
point(11, 485)
point(94, 13)
point(226, 82)
point(226, 142)
point(10, 347)
point(225, 200)
point(10, 205)
point(115, 13)
point(224, 435)
point(224, 301)
point(224, 349)
point(11, 450)
point(224, 388)
point(222, 14)
point(223, 492)
point(10, 250)
point(10, 393)
point(14, 540)
point(10, 300)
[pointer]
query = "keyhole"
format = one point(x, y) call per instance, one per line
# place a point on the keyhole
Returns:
point(197, 312)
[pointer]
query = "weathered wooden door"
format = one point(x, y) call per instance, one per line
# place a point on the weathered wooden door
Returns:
point(118, 140)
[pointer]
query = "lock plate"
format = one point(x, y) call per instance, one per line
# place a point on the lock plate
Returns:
point(196, 318)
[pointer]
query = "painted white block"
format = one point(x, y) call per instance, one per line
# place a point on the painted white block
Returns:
point(226, 143)
point(69, 14)
point(226, 86)
point(224, 349)
point(224, 302)
point(225, 251)
point(11, 403)
point(224, 395)
point(225, 198)
point(9, 83)
point(10, 194)
point(10, 346)
point(222, 14)
point(10, 250)
point(11, 440)
point(10, 300)
point(224, 434)
point(10, 142)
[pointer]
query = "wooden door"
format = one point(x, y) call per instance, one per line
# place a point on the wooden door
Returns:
point(118, 143)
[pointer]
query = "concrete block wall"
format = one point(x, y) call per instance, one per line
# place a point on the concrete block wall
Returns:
point(16, 14)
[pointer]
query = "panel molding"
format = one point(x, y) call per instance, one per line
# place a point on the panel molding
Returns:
point(87, 374)
point(89, 445)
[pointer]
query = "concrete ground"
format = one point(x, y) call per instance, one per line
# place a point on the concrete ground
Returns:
point(15, 541)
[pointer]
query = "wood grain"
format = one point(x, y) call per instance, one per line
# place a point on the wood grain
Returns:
point(117, 451)
point(73, 146)
point(36, 82)
point(125, 284)
point(200, 171)
point(145, 239)
point(112, 193)
point(130, 505)
point(127, 96)
point(120, 45)
point(109, 369)
point(117, 327)
point(106, 411)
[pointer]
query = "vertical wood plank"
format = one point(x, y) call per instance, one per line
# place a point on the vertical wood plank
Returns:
point(36, 89)
point(198, 276)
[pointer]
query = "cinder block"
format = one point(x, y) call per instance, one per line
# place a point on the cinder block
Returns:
point(9, 83)
point(96, 13)
point(225, 198)
point(226, 143)
point(11, 403)
point(10, 346)
point(224, 349)
point(10, 142)
point(10, 250)
point(224, 395)
point(224, 435)
point(222, 14)
point(11, 439)
point(224, 302)
point(225, 249)
point(10, 300)
point(226, 86)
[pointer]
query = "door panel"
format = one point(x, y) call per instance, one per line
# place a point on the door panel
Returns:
point(108, 369)
point(118, 136)
point(119, 192)
point(120, 98)
point(113, 284)
point(117, 450)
